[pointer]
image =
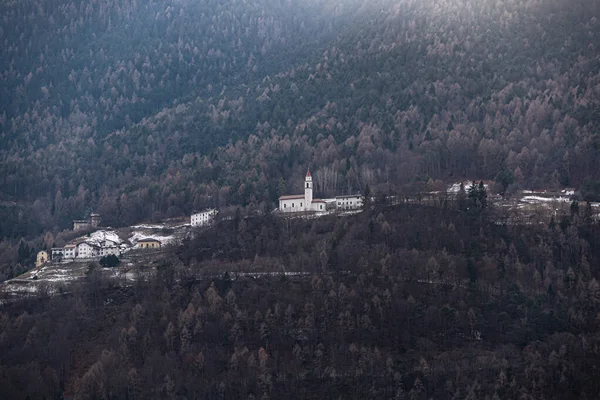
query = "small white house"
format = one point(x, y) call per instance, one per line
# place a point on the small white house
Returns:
point(349, 202)
point(109, 247)
point(58, 252)
point(70, 251)
point(568, 192)
point(203, 218)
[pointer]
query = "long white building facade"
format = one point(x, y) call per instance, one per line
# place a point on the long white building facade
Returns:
point(349, 202)
point(203, 218)
point(85, 251)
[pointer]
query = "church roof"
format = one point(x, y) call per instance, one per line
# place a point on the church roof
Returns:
point(293, 196)
point(318, 201)
point(308, 173)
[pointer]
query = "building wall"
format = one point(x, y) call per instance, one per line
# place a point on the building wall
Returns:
point(95, 220)
point(299, 205)
point(203, 218)
point(70, 252)
point(84, 250)
point(58, 252)
point(105, 251)
point(42, 257)
point(349, 202)
point(148, 245)
point(318, 206)
point(80, 225)
point(308, 190)
point(292, 205)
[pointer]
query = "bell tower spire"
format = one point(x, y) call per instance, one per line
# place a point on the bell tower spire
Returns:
point(308, 191)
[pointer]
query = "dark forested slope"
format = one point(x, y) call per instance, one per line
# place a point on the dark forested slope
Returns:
point(408, 302)
point(150, 110)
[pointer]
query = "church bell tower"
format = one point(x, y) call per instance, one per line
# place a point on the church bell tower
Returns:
point(308, 191)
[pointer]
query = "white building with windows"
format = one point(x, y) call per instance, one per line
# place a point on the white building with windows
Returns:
point(58, 253)
point(203, 218)
point(70, 251)
point(109, 247)
point(86, 250)
point(302, 203)
point(349, 202)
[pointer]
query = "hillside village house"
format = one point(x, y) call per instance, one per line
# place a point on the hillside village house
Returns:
point(58, 253)
point(203, 218)
point(86, 250)
point(148, 243)
point(349, 202)
point(41, 259)
point(70, 251)
point(108, 247)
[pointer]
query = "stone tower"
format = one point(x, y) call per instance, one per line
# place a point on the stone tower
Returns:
point(308, 191)
point(95, 220)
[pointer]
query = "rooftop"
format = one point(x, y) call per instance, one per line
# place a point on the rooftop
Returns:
point(208, 210)
point(89, 244)
point(293, 196)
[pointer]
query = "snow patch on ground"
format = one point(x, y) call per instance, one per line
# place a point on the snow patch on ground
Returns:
point(181, 226)
point(148, 226)
point(540, 199)
point(162, 226)
point(100, 236)
point(350, 212)
point(164, 239)
point(455, 187)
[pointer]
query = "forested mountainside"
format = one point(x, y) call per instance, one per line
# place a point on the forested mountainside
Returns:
point(150, 109)
point(408, 302)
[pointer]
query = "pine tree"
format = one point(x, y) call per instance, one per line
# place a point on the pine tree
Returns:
point(482, 195)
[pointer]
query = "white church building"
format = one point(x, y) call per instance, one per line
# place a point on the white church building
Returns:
point(302, 202)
